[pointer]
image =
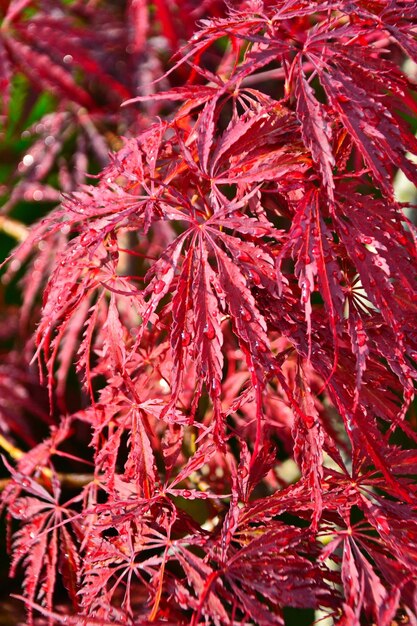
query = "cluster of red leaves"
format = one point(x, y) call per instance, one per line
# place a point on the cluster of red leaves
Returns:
point(238, 293)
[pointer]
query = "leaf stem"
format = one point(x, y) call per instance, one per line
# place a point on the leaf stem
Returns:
point(210, 580)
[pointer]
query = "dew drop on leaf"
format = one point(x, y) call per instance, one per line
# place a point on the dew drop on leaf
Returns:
point(216, 386)
point(243, 257)
point(246, 315)
point(243, 472)
point(209, 331)
point(254, 276)
point(185, 338)
point(158, 286)
point(87, 237)
point(261, 347)
point(342, 98)
point(309, 421)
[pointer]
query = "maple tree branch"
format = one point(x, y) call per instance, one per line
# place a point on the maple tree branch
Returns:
point(66, 480)
point(13, 228)
point(69, 481)
point(11, 449)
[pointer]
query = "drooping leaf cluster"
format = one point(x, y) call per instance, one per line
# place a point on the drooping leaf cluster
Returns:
point(236, 296)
